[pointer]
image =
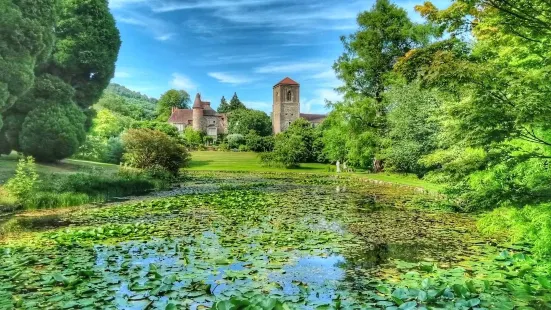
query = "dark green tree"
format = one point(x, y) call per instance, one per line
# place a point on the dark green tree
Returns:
point(53, 131)
point(224, 107)
point(86, 48)
point(241, 121)
point(172, 98)
point(236, 104)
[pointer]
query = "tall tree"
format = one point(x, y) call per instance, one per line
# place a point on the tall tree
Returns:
point(385, 34)
point(172, 98)
point(66, 82)
point(235, 103)
point(224, 107)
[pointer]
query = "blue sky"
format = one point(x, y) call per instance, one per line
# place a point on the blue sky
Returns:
point(219, 47)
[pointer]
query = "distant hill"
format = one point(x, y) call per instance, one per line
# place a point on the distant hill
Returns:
point(120, 90)
point(127, 103)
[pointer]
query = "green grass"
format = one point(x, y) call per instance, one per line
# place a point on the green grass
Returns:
point(9, 163)
point(248, 161)
point(242, 161)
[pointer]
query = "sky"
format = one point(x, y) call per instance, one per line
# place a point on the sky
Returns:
point(218, 47)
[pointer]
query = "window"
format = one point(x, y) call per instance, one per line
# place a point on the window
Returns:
point(289, 96)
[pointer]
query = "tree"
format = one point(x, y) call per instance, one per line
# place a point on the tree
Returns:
point(288, 151)
point(86, 48)
point(160, 126)
point(52, 132)
point(72, 74)
point(152, 150)
point(241, 121)
point(366, 68)
point(224, 107)
point(235, 104)
point(193, 139)
point(172, 98)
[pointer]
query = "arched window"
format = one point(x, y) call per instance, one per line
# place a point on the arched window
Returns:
point(289, 96)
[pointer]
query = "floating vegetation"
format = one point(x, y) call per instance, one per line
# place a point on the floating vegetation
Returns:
point(267, 241)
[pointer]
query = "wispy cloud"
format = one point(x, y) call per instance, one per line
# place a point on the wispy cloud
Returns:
point(181, 81)
point(293, 67)
point(158, 28)
point(122, 74)
point(228, 78)
point(165, 37)
point(258, 105)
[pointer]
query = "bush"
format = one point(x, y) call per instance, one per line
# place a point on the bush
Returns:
point(244, 148)
point(25, 179)
point(288, 151)
point(114, 150)
point(235, 140)
point(193, 139)
point(150, 149)
point(259, 144)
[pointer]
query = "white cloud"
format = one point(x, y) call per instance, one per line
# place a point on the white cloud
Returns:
point(169, 6)
point(181, 81)
point(290, 67)
point(122, 74)
point(115, 4)
point(165, 37)
point(228, 78)
point(317, 104)
point(259, 105)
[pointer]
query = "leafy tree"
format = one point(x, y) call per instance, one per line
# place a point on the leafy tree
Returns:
point(257, 143)
point(25, 179)
point(108, 124)
point(193, 139)
point(122, 91)
point(235, 104)
point(86, 48)
point(153, 150)
point(52, 132)
point(27, 39)
point(224, 107)
point(288, 151)
point(160, 126)
point(63, 81)
point(235, 140)
point(172, 98)
point(241, 121)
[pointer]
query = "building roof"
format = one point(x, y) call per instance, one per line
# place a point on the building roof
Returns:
point(197, 104)
point(181, 116)
point(313, 117)
point(287, 81)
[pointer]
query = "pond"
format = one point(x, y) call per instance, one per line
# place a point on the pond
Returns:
point(311, 241)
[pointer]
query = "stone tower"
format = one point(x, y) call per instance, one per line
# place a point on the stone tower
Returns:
point(286, 107)
point(197, 113)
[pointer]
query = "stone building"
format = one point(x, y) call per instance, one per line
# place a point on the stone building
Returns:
point(286, 106)
point(201, 117)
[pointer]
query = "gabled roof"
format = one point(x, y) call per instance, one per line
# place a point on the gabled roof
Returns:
point(313, 117)
point(287, 81)
point(181, 116)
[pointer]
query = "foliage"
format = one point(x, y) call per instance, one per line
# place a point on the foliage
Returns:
point(256, 143)
point(172, 99)
point(49, 140)
point(61, 63)
point(413, 128)
point(152, 149)
point(193, 139)
point(107, 124)
point(243, 120)
point(122, 91)
point(161, 126)
point(236, 104)
point(224, 107)
point(131, 107)
point(235, 141)
point(289, 151)
point(531, 224)
point(25, 179)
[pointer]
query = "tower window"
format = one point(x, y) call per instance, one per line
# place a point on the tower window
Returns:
point(289, 96)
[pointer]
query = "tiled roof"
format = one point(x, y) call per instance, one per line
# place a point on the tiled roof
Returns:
point(313, 117)
point(287, 81)
point(181, 116)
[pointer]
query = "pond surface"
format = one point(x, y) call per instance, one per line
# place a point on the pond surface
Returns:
point(312, 241)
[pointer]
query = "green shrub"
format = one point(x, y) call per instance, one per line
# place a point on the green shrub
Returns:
point(95, 184)
point(235, 140)
point(531, 224)
point(193, 139)
point(148, 149)
point(256, 143)
point(288, 151)
point(114, 150)
point(25, 179)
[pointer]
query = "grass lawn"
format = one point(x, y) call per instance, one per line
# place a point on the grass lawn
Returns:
point(241, 161)
point(9, 163)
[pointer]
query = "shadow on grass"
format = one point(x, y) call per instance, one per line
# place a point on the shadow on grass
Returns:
point(200, 163)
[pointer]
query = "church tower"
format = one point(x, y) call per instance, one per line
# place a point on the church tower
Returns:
point(286, 107)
